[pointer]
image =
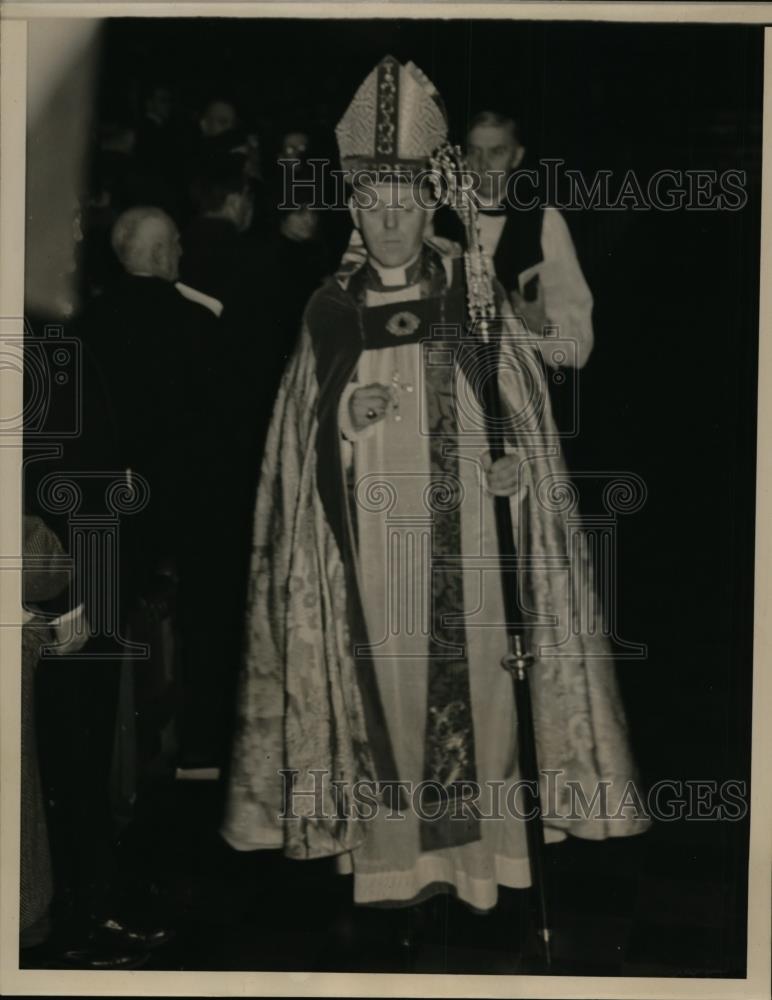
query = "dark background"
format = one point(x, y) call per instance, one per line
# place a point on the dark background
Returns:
point(669, 394)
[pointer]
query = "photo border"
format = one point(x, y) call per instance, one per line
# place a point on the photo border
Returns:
point(13, 89)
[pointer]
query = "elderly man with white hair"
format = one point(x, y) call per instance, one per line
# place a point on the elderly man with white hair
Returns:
point(146, 242)
point(174, 375)
point(151, 341)
point(143, 344)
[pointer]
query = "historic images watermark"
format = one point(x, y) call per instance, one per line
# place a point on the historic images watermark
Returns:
point(320, 797)
point(318, 185)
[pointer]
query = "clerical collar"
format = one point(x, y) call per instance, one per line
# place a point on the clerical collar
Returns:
point(396, 277)
point(494, 210)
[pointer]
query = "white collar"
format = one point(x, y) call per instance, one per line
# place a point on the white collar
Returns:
point(194, 295)
point(394, 276)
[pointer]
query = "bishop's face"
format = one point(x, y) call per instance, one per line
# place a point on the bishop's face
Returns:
point(392, 222)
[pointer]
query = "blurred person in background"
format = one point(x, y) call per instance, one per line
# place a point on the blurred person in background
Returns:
point(293, 148)
point(160, 152)
point(221, 132)
point(294, 145)
point(155, 133)
point(218, 116)
point(293, 259)
point(50, 619)
point(218, 256)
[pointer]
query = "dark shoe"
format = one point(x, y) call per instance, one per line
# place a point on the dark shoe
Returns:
point(134, 935)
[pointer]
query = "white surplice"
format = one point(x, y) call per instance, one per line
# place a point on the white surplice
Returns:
point(393, 523)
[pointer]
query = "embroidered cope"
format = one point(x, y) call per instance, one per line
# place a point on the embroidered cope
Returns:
point(375, 618)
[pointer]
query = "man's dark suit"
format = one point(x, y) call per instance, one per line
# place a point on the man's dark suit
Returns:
point(155, 349)
point(142, 364)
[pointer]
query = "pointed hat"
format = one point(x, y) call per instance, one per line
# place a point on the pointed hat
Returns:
point(394, 123)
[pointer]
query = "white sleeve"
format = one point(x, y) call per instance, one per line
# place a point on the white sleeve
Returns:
point(567, 297)
point(523, 334)
point(71, 630)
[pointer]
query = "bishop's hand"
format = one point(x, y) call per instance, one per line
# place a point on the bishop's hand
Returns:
point(369, 404)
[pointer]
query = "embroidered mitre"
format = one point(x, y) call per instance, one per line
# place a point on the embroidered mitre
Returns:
point(394, 123)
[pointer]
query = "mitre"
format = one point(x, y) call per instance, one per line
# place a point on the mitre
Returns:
point(394, 123)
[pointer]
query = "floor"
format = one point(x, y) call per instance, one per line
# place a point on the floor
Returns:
point(661, 904)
